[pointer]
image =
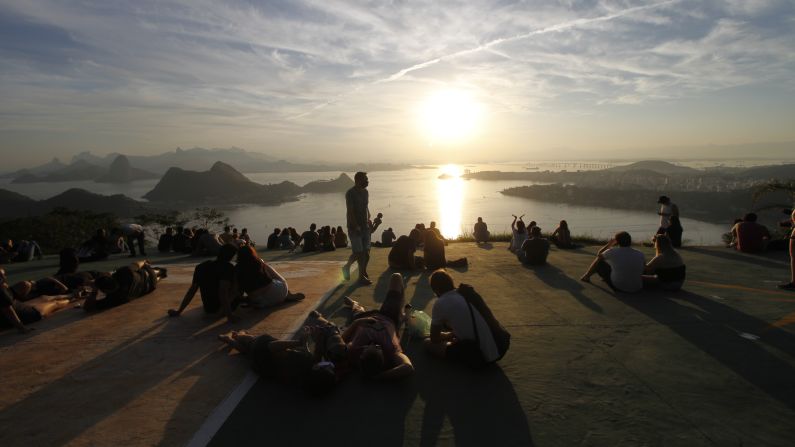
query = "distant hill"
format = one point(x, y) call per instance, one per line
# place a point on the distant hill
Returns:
point(663, 167)
point(14, 205)
point(79, 170)
point(222, 184)
point(782, 172)
point(201, 159)
point(53, 165)
point(83, 169)
point(120, 171)
point(339, 184)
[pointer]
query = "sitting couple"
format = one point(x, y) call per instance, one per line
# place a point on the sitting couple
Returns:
point(624, 269)
point(222, 284)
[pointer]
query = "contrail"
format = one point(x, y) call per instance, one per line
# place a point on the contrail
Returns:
point(550, 29)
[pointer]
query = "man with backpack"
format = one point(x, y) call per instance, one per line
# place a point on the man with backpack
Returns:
point(463, 327)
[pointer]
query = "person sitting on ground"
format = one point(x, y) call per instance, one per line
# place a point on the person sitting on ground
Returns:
point(418, 236)
point(518, 234)
point(791, 284)
point(434, 255)
point(245, 238)
point(182, 239)
point(481, 232)
point(666, 269)
point(273, 239)
point(372, 337)
point(236, 236)
point(166, 241)
point(95, 249)
point(132, 233)
point(452, 325)
point(263, 285)
point(295, 236)
point(310, 240)
point(285, 360)
point(26, 250)
point(751, 237)
point(620, 267)
point(433, 228)
point(227, 238)
point(387, 238)
point(125, 284)
point(206, 244)
point(375, 223)
point(561, 237)
point(340, 238)
point(6, 251)
point(325, 239)
point(285, 241)
point(215, 280)
point(535, 249)
point(68, 261)
point(17, 314)
point(401, 256)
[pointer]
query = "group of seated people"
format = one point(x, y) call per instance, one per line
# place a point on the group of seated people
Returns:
point(520, 232)
point(624, 268)
point(19, 251)
point(749, 236)
point(402, 255)
point(224, 286)
point(462, 330)
point(328, 238)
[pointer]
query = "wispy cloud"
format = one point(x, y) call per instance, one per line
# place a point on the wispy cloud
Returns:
point(264, 74)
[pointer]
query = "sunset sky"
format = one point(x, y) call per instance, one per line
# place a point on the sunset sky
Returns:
point(394, 80)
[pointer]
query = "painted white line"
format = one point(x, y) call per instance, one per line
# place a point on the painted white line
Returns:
point(219, 415)
point(222, 412)
point(748, 336)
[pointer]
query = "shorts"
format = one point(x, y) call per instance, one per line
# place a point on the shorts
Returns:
point(360, 241)
point(270, 295)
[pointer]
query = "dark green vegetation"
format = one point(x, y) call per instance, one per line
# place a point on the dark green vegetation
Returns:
point(58, 228)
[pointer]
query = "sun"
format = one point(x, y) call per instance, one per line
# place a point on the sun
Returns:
point(449, 116)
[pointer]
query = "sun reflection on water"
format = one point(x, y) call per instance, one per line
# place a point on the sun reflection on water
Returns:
point(450, 195)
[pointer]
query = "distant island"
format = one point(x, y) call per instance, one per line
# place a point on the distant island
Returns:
point(179, 189)
point(223, 184)
point(709, 195)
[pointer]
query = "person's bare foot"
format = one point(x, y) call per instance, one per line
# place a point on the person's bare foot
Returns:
point(228, 337)
point(315, 314)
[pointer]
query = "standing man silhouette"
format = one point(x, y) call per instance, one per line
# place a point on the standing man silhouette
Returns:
point(357, 201)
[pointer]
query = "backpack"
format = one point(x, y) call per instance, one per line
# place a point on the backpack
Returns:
point(502, 338)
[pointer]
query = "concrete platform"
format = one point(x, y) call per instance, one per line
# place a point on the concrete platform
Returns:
point(711, 365)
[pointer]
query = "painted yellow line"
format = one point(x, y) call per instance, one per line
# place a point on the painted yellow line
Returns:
point(745, 289)
point(789, 319)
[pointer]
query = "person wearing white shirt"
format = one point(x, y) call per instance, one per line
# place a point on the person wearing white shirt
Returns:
point(619, 265)
point(452, 323)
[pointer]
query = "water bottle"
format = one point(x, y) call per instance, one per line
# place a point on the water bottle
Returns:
point(418, 322)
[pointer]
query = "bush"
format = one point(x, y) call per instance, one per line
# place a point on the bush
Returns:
point(58, 229)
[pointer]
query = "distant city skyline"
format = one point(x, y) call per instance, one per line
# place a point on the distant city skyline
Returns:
point(398, 81)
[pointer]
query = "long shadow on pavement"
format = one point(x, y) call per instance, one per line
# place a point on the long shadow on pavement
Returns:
point(775, 260)
point(716, 329)
point(481, 407)
point(558, 279)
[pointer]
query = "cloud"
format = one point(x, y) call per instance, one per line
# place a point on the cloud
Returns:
point(276, 72)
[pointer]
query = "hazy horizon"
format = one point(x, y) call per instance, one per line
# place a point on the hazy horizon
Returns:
point(418, 82)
